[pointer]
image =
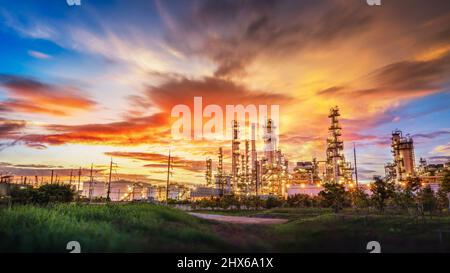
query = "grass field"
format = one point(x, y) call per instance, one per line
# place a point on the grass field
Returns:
point(152, 228)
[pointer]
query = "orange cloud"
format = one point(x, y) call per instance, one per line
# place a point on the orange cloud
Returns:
point(160, 161)
point(30, 96)
point(10, 128)
point(213, 91)
point(155, 128)
point(133, 131)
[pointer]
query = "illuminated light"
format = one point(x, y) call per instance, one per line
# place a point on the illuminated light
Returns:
point(318, 185)
point(302, 185)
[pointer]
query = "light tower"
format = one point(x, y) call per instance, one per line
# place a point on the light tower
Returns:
point(246, 169)
point(335, 146)
point(208, 174)
point(220, 181)
point(235, 154)
point(270, 140)
point(254, 157)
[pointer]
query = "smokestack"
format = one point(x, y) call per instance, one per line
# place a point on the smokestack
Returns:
point(253, 140)
point(235, 154)
point(270, 142)
point(220, 176)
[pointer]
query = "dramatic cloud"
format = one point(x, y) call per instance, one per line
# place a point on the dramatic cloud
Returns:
point(31, 96)
point(160, 161)
point(11, 128)
point(212, 90)
point(406, 79)
point(111, 77)
point(136, 130)
point(133, 131)
point(234, 33)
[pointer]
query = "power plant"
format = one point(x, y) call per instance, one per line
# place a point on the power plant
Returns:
point(269, 173)
point(254, 172)
point(403, 153)
point(337, 169)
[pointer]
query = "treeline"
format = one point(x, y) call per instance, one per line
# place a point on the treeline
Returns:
point(408, 196)
point(237, 202)
point(45, 194)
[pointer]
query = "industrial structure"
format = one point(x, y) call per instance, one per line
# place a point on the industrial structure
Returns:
point(269, 173)
point(338, 170)
point(403, 165)
point(258, 172)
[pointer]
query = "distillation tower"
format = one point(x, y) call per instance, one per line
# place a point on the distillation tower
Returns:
point(274, 168)
point(403, 152)
point(337, 169)
point(235, 155)
point(208, 174)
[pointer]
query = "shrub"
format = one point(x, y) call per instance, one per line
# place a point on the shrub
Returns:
point(427, 199)
point(334, 196)
point(272, 202)
point(50, 193)
point(300, 200)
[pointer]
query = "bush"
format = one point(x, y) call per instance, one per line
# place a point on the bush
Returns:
point(300, 200)
point(272, 202)
point(427, 199)
point(42, 195)
point(334, 195)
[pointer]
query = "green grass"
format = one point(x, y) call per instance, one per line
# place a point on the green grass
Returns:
point(104, 228)
point(285, 213)
point(344, 233)
point(152, 228)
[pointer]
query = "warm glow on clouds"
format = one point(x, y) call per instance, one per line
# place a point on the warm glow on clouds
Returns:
point(30, 96)
point(111, 81)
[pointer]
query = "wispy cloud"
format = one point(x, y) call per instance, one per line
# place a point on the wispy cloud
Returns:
point(38, 54)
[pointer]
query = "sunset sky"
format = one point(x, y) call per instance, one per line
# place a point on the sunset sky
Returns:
point(82, 84)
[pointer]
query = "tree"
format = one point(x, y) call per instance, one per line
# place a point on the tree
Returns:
point(299, 200)
point(442, 199)
point(50, 193)
point(427, 199)
point(20, 195)
point(445, 185)
point(334, 196)
point(412, 184)
point(381, 191)
point(359, 198)
point(444, 190)
point(405, 194)
point(272, 202)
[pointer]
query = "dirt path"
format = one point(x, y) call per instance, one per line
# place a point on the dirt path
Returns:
point(239, 219)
